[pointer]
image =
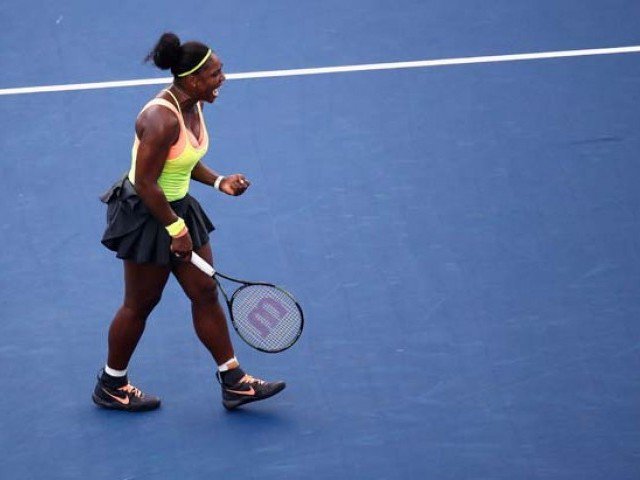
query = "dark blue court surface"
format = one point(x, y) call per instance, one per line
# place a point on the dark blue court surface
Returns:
point(464, 241)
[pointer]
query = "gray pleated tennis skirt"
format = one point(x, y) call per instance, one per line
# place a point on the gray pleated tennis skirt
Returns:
point(135, 234)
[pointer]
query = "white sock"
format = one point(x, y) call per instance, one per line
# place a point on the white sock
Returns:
point(228, 365)
point(114, 373)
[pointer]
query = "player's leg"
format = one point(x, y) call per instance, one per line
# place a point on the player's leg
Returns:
point(144, 284)
point(211, 327)
point(208, 316)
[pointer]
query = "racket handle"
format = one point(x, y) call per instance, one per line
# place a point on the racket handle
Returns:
point(202, 264)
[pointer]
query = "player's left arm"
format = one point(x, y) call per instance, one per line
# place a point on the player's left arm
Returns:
point(235, 184)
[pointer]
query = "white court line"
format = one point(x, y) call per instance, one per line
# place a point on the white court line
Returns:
point(339, 69)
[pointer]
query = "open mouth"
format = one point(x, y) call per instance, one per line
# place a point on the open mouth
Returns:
point(216, 92)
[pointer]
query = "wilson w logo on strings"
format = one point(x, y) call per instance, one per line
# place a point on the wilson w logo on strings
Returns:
point(266, 315)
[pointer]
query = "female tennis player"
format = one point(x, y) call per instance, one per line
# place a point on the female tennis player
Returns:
point(153, 225)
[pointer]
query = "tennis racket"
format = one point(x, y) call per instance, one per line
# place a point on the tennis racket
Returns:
point(265, 316)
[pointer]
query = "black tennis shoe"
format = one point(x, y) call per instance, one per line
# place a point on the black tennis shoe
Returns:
point(248, 389)
point(125, 397)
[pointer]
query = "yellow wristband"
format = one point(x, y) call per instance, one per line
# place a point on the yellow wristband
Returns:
point(182, 233)
point(176, 227)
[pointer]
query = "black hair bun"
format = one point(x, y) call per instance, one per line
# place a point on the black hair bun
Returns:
point(166, 53)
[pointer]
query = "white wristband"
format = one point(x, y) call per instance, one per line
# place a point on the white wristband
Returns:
point(216, 184)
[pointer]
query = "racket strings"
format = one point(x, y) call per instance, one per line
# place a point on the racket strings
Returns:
point(266, 317)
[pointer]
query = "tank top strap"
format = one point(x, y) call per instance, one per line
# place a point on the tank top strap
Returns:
point(164, 103)
point(174, 99)
point(203, 126)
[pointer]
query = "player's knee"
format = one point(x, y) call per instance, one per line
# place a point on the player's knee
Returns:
point(204, 292)
point(143, 306)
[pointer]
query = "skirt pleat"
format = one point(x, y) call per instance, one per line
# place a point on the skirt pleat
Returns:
point(135, 234)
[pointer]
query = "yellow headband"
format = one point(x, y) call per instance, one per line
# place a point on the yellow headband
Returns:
point(197, 66)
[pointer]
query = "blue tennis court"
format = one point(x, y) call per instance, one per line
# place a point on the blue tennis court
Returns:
point(464, 240)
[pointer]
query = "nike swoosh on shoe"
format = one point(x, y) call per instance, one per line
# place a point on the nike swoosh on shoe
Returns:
point(123, 401)
point(251, 392)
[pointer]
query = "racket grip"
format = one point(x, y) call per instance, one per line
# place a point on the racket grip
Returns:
point(202, 264)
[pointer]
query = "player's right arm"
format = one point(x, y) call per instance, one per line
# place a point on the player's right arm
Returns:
point(157, 129)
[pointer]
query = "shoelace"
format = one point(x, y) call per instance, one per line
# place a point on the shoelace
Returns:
point(131, 390)
point(249, 379)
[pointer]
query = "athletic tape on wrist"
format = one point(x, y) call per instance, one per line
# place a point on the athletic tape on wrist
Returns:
point(218, 181)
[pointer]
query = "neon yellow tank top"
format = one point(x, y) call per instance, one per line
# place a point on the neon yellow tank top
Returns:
point(183, 155)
